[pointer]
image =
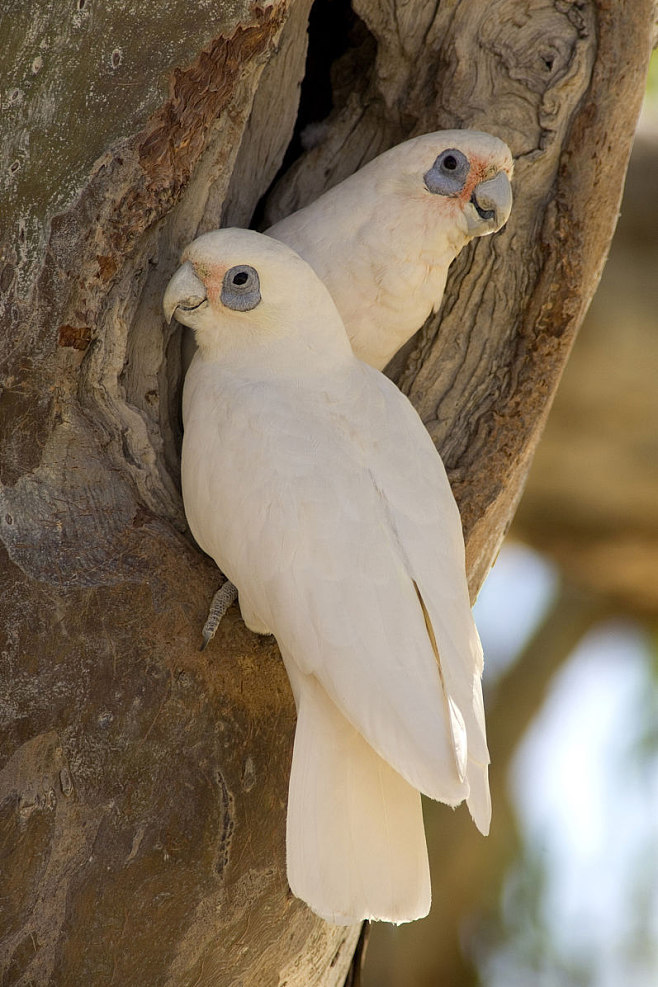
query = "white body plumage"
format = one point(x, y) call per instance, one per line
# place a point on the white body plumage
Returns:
point(311, 481)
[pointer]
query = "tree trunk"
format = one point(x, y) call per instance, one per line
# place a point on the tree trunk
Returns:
point(592, 491)
point(143, 787)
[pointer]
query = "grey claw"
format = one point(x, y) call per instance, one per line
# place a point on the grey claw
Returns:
point(226, 595)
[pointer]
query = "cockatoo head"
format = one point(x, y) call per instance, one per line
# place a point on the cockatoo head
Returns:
point(463, 173)
point(237, 287)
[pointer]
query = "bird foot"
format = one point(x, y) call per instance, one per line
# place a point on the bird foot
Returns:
point(221, 601)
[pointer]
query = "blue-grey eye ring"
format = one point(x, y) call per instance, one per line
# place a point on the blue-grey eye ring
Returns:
point(240, 288)
point(448, 174)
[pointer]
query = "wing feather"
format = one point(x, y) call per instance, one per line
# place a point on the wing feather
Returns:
point(332, 509)
point(426, 519)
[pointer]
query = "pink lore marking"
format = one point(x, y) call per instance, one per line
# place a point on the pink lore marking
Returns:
point(213, 280)
point(479, 168)
point(211, 277)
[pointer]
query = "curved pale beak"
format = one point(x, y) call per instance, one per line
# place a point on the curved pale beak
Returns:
point(492, 204)
point(184, 291)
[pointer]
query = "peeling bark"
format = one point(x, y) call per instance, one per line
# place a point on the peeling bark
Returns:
point(143, 785)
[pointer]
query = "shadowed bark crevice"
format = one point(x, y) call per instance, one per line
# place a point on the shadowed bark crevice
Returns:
point(341, 54)
point(145, 784)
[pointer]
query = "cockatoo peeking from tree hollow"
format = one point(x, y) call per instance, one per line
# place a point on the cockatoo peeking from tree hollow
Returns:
point(383, 239)
point(311, 481)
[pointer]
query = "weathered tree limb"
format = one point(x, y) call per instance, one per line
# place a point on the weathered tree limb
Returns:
point(592, 492)
point(562, 84)
point(144, 785)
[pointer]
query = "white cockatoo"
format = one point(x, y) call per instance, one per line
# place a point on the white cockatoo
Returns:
point(311, 481)
point(383, 239)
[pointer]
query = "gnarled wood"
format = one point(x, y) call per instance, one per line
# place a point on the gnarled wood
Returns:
point(144, 785)
point(592, 492)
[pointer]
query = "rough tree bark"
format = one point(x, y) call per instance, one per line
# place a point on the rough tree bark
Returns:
point(593, 488)
point(143, 785)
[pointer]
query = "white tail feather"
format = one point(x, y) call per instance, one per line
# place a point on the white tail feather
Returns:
point(355, 841)
point(479, 799)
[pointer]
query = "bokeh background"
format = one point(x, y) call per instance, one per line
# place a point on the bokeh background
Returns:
point(564, 892)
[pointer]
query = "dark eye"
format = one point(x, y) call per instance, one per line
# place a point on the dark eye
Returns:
point(241, 288)
point(448, 174)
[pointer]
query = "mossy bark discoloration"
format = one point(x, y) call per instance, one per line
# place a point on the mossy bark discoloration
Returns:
point(144, 785)
point(138, 846)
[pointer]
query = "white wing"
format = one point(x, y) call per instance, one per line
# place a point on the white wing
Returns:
point(426, 518)
point(328, 544)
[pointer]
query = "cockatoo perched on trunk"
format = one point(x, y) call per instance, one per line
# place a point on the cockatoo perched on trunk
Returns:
point(383, 239)
point(311, 481)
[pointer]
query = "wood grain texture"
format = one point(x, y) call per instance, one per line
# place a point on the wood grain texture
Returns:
point(143, 785)
point(561, 83)
point(590, 502)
